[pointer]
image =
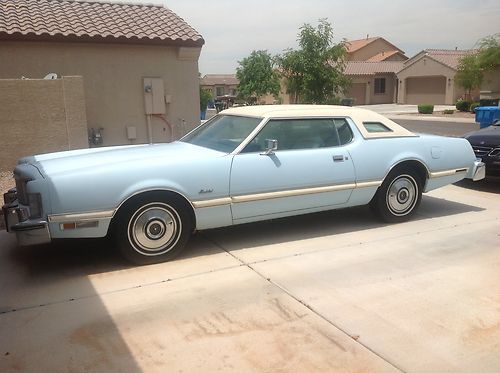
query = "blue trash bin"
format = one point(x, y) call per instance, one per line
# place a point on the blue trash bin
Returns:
point(486, 115)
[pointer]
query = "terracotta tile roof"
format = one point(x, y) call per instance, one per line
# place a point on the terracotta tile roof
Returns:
point(448, 57)
point(64, 20)
point(382, 56)
point(220, 79)
point(372, 68)
point(354, 45)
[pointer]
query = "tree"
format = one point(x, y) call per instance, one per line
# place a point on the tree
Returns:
point(489, 52)
point(314, 73)
point(469, 75)
point(257, 75)
point(472, 66)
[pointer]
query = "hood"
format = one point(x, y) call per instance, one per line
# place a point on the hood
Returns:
point(127, 156)
point(486, 136)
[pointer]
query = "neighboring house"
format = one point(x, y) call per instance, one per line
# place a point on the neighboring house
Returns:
point(372, 65)
point(373, 82)
point(220, 85)
point(139, 63)
point(490, 89)
point(429, 77)
point(373, 49)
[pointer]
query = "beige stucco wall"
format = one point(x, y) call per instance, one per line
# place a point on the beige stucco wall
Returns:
point(40, 116)
point(113, 81)
point(371, 50)
point(433, 77)
point(491, 84)
point(363, 89)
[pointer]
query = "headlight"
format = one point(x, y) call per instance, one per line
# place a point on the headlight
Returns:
point(35, 204)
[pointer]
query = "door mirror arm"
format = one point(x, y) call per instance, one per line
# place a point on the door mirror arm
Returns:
point(271, 147)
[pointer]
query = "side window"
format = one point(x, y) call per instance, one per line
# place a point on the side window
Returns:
point(344, 131)
point(296, 134)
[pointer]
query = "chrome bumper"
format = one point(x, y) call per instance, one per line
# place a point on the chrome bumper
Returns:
point(477, 171)
point(28, 232)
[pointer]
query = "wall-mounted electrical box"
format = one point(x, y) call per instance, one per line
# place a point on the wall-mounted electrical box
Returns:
point(131, 133)
point(154, 96)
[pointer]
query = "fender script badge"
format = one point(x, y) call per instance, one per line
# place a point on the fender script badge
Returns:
point(204, 191)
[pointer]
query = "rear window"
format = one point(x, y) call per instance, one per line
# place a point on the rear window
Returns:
point(375, 127)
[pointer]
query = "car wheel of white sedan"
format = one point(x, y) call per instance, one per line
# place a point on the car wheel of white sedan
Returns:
point(152, 228)
point(399, 196)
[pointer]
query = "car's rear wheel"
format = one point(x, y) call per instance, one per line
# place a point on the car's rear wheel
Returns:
point(152, 228)
point(399, 196)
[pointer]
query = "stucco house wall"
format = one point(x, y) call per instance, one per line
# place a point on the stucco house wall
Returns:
point(490, 89)
point(113, 82)
point(427, 81)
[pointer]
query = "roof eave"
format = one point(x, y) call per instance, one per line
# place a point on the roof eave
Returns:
point(17, 36)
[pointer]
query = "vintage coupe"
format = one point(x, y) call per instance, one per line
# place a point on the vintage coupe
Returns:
point(244, 165)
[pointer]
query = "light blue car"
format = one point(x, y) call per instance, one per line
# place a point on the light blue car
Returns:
point(244, 165)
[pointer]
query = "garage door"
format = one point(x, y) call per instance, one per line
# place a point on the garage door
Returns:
point(357, 91)
point(426, 90)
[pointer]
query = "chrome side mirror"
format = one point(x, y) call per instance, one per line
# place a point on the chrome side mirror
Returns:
point(271, 147)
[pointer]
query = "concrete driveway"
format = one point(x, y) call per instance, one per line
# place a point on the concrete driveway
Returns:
point(335, 291)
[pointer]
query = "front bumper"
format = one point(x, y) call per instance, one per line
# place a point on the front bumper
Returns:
point(28, 232)
point(477, 171)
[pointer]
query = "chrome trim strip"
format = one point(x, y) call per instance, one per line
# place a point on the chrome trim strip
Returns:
point(283, 193)
point(61, 218)
point(444, 173)
point(369, 184)
point(290, 193)
point(212, 202)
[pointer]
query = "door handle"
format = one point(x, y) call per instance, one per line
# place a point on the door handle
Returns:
point(338, 158)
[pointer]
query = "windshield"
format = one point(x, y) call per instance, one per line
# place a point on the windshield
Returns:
point(223, 133)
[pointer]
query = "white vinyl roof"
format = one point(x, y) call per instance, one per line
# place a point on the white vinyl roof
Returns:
point(358, 115)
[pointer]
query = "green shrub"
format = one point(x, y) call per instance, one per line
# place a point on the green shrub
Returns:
point(473, 107)
point(425, 109)
point(448, 111)
point(463, 105)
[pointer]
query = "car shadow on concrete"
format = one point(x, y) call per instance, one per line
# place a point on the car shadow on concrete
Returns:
point(303, 227)
point(83, 257)
point(489, 185)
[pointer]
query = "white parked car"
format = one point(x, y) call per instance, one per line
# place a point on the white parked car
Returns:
point(245, 164)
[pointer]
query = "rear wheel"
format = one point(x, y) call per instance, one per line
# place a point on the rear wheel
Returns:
point(152, 228)
point(399, 196)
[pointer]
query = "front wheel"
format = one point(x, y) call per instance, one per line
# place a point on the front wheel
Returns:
point(152, 229)
point(398, 197)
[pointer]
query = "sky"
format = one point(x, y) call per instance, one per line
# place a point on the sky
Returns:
point(232, 29)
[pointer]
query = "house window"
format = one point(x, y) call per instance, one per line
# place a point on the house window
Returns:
point(219, 91)
point(379, 85)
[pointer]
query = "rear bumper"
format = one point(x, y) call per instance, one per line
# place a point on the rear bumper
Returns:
point(477, 171)
point(28, 232)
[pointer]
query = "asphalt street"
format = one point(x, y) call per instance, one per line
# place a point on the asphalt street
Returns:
point(455, 129)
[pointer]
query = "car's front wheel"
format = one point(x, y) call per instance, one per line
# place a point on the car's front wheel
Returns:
point(399, 196)
point(152, 228)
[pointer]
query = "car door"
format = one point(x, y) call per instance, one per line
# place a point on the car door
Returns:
point(311, 168)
